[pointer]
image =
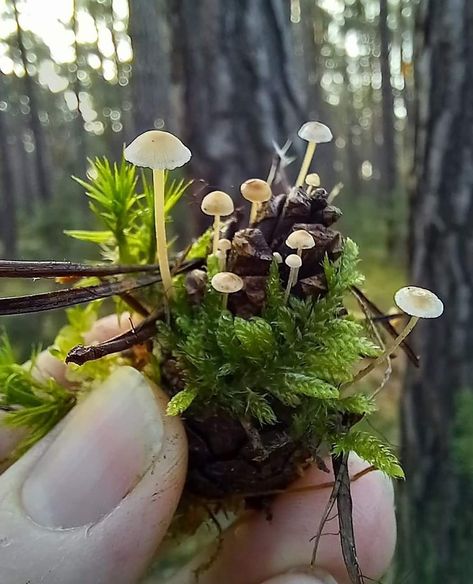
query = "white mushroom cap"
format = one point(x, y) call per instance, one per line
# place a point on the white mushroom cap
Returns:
point(256, 190)
point(157, 150)
point(315, 132)
point(300, 239)
point(419, 302)
point(278, 257)
point(217, 203)
point(313, 179)
point(227, 282)
point(293, 261)
point(224, 244)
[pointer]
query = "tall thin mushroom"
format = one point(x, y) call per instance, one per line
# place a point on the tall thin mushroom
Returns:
point(417, 303)
point(256, 191)
point(217, 204)
point(314, 133)
point(299, 240)
point(159, 151)
point(226, 283)
point(293, 262)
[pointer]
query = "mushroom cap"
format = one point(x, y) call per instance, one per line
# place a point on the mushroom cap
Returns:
point(293, 261)
point(313, 179)
point(217, 203)
point(419, 302)
point(224, 244)
point(157, 150)
point(300, 239)
point(278, 257)
point(227, 282)
point(315, 132)
point(256, 190)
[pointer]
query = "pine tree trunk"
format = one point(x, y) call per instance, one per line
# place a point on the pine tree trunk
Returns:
point(150, 80)
point(438, 494)
point(236, 68)
point(8, 223)
point(43, 186)
point(388, 169)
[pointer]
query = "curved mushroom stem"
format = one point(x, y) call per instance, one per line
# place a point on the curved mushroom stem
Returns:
point(160, 226)
point(216, 234)
point(386, 353)
point(310, 188)
point(309, 154)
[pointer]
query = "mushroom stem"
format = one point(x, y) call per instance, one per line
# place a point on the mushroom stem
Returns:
point(309, 154)
point(216, 234)
point(290, 283)
point(222, 260)
point(310, 188)
point(224, 301)
point(253, 212)
point(388, 351)
point(160, 226)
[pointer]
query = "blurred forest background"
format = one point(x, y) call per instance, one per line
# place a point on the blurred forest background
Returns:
point(391, 78)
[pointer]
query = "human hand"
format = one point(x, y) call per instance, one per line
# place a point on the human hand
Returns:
point(93, 500)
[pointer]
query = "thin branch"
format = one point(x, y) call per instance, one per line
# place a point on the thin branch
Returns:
point(374, 329)
point(345, 518)
point(388, 326)
point(20, 269)
point(139, 334)
point(72, 296)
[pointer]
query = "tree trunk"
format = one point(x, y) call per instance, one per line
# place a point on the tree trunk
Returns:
point(150, 80)
point(80, 135)
point(33, 116)
point(389, 166)
point(237, 73)
point(8, 224)
point(436, 431)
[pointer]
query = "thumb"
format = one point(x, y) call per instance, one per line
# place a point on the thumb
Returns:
point(92, 501)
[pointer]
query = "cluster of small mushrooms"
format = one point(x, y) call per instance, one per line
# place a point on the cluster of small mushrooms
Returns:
point(162, 151)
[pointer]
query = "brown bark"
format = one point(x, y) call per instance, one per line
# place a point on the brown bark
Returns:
point(8, 225)
point(438, 494)
point(80, 136)
point(43, 186)
point(388, 169)
point(150, 80)
point(237, 72)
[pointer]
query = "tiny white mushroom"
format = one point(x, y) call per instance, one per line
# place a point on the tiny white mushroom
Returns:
point(217, 204)
point(417, 303)
point(314, 133)
point(278, 257)
point(159, 151)
point(256, 191)
point(223, 247)
point(299, 240)
point(226, 283)
point(294, 262)
point(312, 181)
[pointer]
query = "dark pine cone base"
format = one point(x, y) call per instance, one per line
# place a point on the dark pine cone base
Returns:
point(229, 457)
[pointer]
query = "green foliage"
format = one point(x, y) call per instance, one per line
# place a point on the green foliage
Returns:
point(123, 203)
point(31, 403)
point(370, 449)
point(181, 401)
point(294, 355)
point(201, 246)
